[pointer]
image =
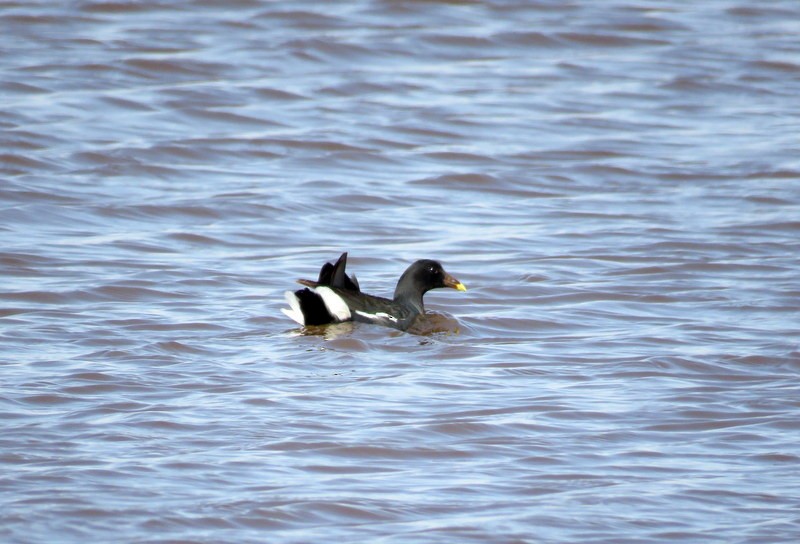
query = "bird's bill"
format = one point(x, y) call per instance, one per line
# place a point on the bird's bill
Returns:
point(451, 282)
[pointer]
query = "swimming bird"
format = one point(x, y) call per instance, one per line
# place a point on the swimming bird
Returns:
point(337, 297)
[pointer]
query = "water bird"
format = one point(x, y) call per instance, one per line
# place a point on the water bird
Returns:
point(337, 297)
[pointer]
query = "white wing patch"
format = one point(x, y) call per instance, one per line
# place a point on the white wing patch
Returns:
point(294, 312)
point(336, 306)
point(379, 315)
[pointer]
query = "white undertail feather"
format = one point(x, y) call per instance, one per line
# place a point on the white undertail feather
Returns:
point(294, 311)
point(334, 303)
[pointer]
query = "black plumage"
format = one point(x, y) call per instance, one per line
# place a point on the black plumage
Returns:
point(337, 297)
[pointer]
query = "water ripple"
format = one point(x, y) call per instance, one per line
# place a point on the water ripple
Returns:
point(616, 184)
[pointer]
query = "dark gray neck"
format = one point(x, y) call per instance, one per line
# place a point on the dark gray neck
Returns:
point(412, 302)
point(409, 295)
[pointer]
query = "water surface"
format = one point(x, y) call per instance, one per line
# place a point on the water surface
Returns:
point(617, 183)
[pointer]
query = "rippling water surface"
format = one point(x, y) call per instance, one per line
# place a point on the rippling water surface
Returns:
point(618, 184)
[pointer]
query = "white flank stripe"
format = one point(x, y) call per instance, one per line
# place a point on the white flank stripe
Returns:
point(294, 312)
point(379, 315)
point(334, 303)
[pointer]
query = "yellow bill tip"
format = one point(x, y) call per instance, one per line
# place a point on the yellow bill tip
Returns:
point(452, 283)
